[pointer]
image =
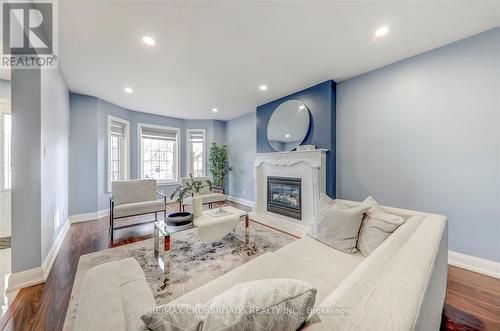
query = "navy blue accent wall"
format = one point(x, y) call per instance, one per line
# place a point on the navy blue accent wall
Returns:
point(321, 102)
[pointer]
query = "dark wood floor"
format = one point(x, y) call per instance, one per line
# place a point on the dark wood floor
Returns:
point(472, 301)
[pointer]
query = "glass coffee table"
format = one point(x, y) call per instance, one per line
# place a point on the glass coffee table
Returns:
point(163, 233)
point(162, 242)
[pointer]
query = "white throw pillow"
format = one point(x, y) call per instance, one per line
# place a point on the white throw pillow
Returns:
point(337, 225)
point(377, 226)
point(267, 304)
point(174, 317)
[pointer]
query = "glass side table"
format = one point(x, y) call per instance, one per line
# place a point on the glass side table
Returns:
point(162, 243)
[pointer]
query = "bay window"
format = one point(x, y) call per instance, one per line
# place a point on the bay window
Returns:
point(159, 153)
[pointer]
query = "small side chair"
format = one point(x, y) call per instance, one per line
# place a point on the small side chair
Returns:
point(134, 198)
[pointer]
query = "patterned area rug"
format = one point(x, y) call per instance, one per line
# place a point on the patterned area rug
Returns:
point(194, 263)
point(4, 242)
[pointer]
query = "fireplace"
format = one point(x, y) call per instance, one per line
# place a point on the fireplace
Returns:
point(284, 196)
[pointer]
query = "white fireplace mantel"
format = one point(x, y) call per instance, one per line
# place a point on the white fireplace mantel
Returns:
point(286, 159)
point(310, 166)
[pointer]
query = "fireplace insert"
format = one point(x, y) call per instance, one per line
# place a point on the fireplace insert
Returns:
point(284, 196)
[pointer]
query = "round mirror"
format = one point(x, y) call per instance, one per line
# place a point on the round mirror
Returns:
point(288, 126)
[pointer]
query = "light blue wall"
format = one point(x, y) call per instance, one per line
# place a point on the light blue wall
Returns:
point(89, 191)
point(26, 161)
point(424, 134)
point(55, 155)
point(83, 154)
point(241, 140)
point(40, 129)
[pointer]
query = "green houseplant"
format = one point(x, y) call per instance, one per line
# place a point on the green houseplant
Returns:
point(190, 188)
point(218, 160)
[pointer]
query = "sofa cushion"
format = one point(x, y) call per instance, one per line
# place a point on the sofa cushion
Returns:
point(206, 198)
point(267, 304)
point(171, 317)
point(113, 296)
point(330, 265)
point(139, 208)
point(376, 227)
point(128, 191)
point(337, 225)
point(266, 266)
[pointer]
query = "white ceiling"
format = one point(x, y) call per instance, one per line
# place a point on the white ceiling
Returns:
point(215, 54)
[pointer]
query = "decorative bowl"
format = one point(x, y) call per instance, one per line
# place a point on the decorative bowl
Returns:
point(179, 218)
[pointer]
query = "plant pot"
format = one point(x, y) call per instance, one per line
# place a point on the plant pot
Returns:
point(179, 218)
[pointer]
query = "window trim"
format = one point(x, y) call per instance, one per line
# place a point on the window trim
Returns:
point(140, 174)
point(126, 147)
point(189, 152)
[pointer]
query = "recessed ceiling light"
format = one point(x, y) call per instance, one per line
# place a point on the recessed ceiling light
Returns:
point(215, 110)
point(128, 90)
point(287, 135)
point(148, 40)
point(263, 87)
point(381, 31)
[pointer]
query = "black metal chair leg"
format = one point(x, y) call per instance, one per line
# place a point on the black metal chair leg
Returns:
point(156, 216)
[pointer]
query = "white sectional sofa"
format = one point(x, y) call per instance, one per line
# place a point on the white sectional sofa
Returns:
point(399, 286)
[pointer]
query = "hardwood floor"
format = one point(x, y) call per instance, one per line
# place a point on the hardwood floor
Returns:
point(472, 301)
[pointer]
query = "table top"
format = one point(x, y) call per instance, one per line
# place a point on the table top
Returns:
point(166, 230)
point(232, 211)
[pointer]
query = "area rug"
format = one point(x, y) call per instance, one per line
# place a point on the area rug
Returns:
point(194, 263)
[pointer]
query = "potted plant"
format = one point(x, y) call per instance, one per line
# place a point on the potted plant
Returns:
point(219, 164)
point(190, 188)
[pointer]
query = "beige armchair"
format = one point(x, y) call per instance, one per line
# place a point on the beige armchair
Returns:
point(133, 198)
point(207, 196)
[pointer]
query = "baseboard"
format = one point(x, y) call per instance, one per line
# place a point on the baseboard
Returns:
point(38, 275)
point(5, 233)
point(89, 216)
point(240, 200)
point(54, 250)
point(25, 278)
point(476, 264)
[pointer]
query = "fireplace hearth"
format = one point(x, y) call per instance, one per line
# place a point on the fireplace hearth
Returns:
point(284, 196)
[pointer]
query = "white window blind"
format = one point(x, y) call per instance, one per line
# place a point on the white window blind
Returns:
point(118, 128)
point(159, 134)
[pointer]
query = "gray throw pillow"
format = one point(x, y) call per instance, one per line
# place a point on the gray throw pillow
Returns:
point(377, 226)
point(174, 317)
point(338, 225)
point(267, 304)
